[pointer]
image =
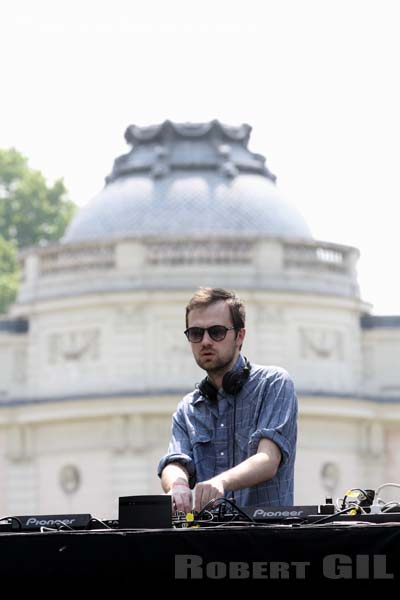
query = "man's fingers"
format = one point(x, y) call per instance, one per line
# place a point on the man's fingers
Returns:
point(202, 496)
point(207, 492)
point(198, 498)
point(183, 502)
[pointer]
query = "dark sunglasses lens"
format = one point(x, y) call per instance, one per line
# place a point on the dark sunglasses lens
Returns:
point(217, 333)
point(195, 334)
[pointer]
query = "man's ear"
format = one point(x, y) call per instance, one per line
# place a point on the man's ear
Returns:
point(241, 335)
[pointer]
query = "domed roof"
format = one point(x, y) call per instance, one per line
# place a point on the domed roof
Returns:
point(188, 179)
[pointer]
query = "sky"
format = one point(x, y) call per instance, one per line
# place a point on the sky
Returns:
point(317, 80)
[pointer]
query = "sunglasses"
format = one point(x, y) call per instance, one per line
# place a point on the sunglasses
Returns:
point(216, 333)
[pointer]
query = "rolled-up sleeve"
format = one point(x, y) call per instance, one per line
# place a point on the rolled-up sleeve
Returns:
point(179, 449)
point(276, 415)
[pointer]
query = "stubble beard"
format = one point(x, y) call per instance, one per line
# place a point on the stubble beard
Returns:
point(215, 365)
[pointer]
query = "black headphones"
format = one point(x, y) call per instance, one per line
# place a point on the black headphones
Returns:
point(232, 383)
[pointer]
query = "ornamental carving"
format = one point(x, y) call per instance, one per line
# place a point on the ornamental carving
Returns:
point(74, 346)
point(130, 318)
point(321, 343)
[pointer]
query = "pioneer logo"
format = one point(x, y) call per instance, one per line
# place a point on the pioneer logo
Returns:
point(281, 512)
point(32, 522)
point(35, 522)
point(277, 513)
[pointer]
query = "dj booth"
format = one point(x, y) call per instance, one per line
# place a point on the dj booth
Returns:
point(270, 554)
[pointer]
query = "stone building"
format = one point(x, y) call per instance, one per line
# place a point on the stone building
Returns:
point(94, 360)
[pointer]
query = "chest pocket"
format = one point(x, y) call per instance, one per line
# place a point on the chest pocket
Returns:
point(203, 454)
point(201, 436)
point(200, 432)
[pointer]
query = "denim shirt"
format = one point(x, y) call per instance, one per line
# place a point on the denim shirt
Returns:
point(202, 433)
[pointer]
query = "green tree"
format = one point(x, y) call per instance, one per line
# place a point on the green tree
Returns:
point(9, 273)
point(31, 213)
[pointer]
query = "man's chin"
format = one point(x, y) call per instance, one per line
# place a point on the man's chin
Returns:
point(208, 363)
point(212, 364)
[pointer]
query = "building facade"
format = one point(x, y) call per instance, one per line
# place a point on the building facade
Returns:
point(94, 360)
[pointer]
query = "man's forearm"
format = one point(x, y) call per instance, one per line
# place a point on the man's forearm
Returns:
point(175, 481)
point(171, 474)
point(252, 471)
point(260, 467)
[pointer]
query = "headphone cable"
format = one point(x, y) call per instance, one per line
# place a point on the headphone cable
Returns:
point(233, 440)
point(246, 369)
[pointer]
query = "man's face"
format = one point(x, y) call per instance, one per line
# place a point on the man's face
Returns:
point(213, 356)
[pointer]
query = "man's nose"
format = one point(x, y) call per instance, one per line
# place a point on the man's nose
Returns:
point(207, 340)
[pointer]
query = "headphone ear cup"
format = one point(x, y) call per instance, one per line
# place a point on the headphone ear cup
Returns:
point(233, 382)
point(208, 390)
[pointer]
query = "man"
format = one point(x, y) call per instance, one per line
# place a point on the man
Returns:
point(235, 434)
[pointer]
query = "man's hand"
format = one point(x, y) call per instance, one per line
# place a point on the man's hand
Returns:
point(181, 496)
point(208, 490)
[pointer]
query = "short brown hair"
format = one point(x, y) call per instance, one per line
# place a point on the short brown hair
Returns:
point(206, 296)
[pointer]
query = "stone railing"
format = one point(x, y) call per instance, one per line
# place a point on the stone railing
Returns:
point(60, 260)
point(219, 252)
point(125, 264)
point(304, 255)
point(322, 256)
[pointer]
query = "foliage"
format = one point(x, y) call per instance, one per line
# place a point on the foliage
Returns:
point(9, 274)
point(31, 213)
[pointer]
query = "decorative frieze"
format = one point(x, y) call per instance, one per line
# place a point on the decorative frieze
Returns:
point(321, 343)
point(128, 433)
point(74, 346)
point(130, 318)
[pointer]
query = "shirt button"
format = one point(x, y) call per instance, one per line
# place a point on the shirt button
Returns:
point(222, 453)
point(222, 425)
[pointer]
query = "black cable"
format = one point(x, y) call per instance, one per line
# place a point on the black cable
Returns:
point(222, 500)
point(96, 520)
point(61, 526)
point(237, 391)
point(210, 504)
point(355, 507)
point(233, 438)
point(239, 510)
point(387, 508)
point(354, 490)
